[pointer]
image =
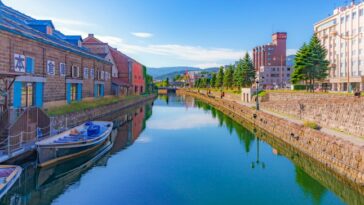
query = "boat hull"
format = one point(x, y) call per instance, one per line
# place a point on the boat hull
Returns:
point(10, 179)
point(52, 154)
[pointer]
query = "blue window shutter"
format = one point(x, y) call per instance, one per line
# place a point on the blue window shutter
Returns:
point(79, 92)
point(95, 90)
point(39, 95)
point(68, 93)
point(102, 90)
point(17, 94)
point(29, 65)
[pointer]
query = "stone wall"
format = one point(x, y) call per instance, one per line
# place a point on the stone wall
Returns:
point(341, 112)
point(340, 155)
point(62, 122)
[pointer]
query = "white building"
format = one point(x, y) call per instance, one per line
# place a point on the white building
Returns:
point(342, 34)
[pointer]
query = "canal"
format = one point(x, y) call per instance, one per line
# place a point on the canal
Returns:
point(182, 151)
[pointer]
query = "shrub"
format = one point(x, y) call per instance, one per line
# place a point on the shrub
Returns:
point(312, 125)
point(300, 87)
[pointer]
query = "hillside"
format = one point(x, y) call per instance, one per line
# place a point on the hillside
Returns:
point(171, 72)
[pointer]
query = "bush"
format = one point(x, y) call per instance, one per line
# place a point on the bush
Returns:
point(300, 87)
point(312, 125)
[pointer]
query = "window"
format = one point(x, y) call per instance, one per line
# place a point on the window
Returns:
point(75, 72)
point(85, 73)
point(361, 12)
point(288, 69)
point(342, 20)
point(353, 15)
point(92, 73)
point(29, 65)
point(102, 73)
point(62, 69)
point(51, 67)
point(27, 94)
point(347, 17)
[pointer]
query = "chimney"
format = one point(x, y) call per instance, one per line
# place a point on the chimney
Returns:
point(90, 35)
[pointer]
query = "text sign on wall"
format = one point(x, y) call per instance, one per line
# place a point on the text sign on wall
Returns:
point(19, 63)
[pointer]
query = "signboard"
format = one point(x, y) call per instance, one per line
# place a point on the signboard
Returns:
point(19, 63)
point(51, 65)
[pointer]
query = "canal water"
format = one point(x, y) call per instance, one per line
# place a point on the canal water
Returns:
point(182, 151)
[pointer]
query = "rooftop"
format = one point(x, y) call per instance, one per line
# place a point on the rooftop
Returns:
point(17, 23)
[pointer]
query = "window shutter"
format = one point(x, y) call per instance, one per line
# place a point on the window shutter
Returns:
point(17, 94)
point(39, 94)
point(29, 65)
point(79, 92)
point(68, 93)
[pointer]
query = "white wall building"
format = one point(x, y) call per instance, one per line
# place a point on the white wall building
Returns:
point(342, 34)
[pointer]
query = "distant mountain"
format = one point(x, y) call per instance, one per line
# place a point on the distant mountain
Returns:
point(155, 72)
point(171, 72)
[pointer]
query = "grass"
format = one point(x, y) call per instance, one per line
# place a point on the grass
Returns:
point(85, 105)
point(312, 125)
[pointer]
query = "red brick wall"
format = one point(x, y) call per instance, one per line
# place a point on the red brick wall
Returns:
point(138, 78)
point(55, 86)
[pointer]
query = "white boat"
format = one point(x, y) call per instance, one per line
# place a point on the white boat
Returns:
point(9, 174)
point(81, 140)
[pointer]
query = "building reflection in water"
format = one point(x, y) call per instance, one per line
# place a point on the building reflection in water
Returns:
point(42, 186)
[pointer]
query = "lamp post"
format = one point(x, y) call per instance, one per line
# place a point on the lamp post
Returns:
point(257, 99)
point(348, 40)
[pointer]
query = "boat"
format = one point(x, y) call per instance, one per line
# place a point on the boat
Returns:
point(9, 174)
point(79, 141)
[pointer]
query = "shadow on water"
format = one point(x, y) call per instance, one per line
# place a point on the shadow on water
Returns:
point(312, 177)
point(41, 186)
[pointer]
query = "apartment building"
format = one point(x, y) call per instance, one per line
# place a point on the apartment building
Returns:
point(342, 35)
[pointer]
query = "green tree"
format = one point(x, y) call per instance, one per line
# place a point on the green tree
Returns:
point(238, 75)
point(320, 66)
point(167, 82)
point(301, 65)
point(310, 63)
point(229, 77)
point(220, 78)
point(248, 71)
point(213, 80)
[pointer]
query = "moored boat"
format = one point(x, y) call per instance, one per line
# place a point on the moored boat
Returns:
point(73, 143)
point(8, 176)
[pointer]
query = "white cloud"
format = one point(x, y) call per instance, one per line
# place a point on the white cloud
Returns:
point(291, 52)
point(185, 121)
point(142, 34)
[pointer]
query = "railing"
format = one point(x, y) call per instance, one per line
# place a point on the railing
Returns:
point(24, 128)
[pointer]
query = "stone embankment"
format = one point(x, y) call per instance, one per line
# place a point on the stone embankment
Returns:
point(72, 119)
point(343, 157)
point(339, 112)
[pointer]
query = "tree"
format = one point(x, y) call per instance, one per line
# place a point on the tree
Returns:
point(213, 80)
point(220, 78)
point(238, 75)
point(228, 77)
point(301, 65)
point(167, 82)
point(311, 63)
point(248, 71)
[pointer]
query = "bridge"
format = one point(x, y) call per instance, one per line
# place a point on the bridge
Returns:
point(166, 90)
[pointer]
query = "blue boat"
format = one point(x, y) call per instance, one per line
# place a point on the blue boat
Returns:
point(9, 174)
point(79, 141)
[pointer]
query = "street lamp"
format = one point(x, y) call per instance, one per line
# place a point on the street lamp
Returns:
point(258, 163)
point(348, 40)
point(257, 99)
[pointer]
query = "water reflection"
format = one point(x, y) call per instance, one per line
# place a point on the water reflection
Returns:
point(43, 186)
point(313, 178)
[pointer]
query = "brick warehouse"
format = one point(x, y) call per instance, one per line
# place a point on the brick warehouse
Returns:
point(128, 76)
point(40, 66)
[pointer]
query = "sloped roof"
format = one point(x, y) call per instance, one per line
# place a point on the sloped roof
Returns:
point(92, 40)
point(20, 24)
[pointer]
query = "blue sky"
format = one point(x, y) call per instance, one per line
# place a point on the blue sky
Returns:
point(201, 33)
